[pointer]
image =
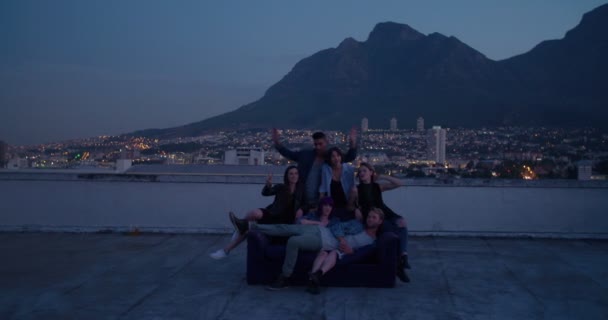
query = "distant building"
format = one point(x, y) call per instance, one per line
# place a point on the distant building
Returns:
point(420, 124)
point(521, 156)
point(204, 158)
point(584, 170)
point(436, 138)
point(364, 125)
point(244, 156)
point(18, 163)
point(130, 154)
point(178, 158)
point(393, 125)
point(375, 158)
point(122, 165)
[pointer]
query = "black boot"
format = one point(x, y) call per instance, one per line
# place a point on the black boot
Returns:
point(401, 265)
point(402, 275)
point(403, 262)
point(241, 225)
point(280, 283)
point(314, 282)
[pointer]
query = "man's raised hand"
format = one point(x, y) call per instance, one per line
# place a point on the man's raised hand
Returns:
point(275, 136)
point(353, 137)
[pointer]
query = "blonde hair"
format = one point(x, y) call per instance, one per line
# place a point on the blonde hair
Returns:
point(377, 211)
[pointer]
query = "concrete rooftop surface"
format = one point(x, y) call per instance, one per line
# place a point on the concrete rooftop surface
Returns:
point(165, 276)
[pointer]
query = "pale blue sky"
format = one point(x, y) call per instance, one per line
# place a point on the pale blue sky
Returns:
point(72, 69)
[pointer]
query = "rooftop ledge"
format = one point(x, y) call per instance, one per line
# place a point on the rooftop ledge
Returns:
point(259, 177)
point(198, 202)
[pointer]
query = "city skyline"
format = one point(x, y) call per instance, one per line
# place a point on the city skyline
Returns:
point(507, 152)
point(77, 71)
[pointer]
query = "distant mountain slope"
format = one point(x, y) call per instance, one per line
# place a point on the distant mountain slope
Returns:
point(401, 72)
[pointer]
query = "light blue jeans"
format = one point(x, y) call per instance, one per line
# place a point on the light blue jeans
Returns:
point(301, 237)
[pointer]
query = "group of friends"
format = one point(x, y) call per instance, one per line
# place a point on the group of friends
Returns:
point(320, 208)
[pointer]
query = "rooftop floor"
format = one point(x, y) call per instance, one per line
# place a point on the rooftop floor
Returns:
point(162, 276)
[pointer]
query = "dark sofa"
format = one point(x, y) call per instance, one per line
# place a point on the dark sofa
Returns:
point(371, 266)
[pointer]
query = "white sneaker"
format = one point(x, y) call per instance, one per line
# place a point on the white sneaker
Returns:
point(219, 254)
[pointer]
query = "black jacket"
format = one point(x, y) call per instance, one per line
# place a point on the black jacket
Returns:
point(281, 205)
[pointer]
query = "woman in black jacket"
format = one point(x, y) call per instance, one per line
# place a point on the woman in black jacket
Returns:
point(286, 207)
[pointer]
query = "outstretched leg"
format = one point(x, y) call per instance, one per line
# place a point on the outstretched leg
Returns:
point(402, 228)
point(235, 242)
point(317, 272)
point(330, 261)
point(285, 230)
point(254, 215)
point(316, 265)
point(308, 241)
point(237, 238)
point(398, 226)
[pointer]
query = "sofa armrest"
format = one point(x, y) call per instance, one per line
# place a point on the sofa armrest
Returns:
point(257, 241)
point(360, 255)
point(257, 264)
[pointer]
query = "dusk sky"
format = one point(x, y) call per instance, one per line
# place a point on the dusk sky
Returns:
point(75, 69)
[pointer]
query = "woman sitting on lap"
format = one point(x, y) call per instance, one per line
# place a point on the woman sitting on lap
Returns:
point(369, 193)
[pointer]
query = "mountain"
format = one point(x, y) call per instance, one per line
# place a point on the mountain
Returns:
point(565, 81)
point(401, 72)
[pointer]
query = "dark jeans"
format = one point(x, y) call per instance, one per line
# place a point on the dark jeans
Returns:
point(390, 225)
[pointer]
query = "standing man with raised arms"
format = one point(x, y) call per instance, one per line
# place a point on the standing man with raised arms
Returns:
point(310, 161)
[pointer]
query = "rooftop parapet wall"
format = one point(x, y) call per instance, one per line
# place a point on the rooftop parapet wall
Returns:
point(199, 203)
point(259, 177)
